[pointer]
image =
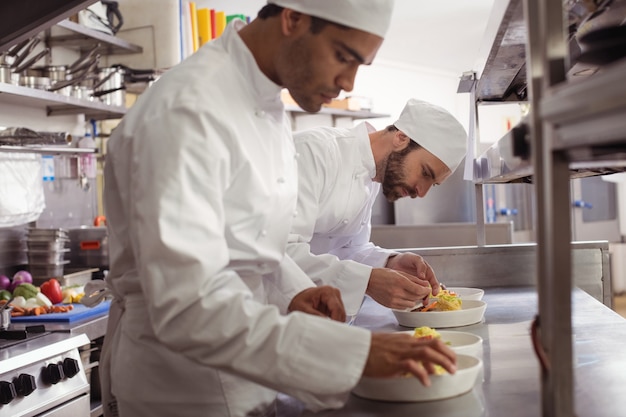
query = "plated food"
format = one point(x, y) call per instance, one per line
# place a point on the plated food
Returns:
point(471, 312)
point(410, 389)
point(461, 342)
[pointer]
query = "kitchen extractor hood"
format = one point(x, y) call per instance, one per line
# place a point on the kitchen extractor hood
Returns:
point(586, 113)
point(503, 77)
point(22, 19)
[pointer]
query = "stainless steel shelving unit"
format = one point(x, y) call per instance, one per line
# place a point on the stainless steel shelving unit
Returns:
point(84, 39)
point(576, 127)
point(58, 104)
point(73, 36)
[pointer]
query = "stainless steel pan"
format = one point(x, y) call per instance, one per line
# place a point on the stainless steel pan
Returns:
point(25, 65)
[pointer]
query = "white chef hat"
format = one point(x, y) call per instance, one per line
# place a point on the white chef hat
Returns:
point(435, 130)
point(371, 16)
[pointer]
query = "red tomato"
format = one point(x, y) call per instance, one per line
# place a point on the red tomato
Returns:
point(52, 290)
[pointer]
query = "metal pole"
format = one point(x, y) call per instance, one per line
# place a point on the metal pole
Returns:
point(546, 54)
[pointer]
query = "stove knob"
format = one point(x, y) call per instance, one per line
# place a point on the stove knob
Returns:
point(53, 373)
point(7, 392)
point(24, 384)
point(70, 367)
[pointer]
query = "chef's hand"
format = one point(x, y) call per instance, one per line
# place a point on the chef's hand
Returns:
point(320, 301)
point(414, 264)
point(395, 289)
point(395, 354)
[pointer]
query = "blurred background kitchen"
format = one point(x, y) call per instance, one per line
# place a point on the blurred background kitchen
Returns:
point(66, 83)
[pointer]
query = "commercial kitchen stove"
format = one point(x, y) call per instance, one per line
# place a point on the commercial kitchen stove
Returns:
point(41, 373)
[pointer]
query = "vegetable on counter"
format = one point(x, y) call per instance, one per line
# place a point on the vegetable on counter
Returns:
point(25, 290)
point(52, 290)
point(5, 295)
point(5, 282)
point(20, 277)
point(73, 293)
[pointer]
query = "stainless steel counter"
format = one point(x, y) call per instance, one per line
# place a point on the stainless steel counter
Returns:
point(511, 381)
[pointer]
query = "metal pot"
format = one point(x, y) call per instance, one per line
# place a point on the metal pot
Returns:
point(5, 316)
point(110, 87)
point(54, 72)
point(40, 83)
point(5, 73)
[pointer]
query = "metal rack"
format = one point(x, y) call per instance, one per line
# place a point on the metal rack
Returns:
point(576, 127)
point(84, 39)
point(58, 104)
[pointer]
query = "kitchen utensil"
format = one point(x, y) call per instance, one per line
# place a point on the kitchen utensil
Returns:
point(20, 68)
point(85, 59)
point(41, 83)
point(21, 56)
point(5, 73)
point(410, 389)
point(110, 87)
point(472, 311)
point(5, 314)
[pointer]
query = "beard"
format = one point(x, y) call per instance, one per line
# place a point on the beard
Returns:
point(393, 178)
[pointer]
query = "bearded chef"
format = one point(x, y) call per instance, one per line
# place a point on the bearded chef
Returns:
point(209, 316)
point(341, 172)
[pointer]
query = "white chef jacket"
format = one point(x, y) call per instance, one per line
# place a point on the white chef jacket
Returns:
point(201, 189)
point(335, 198)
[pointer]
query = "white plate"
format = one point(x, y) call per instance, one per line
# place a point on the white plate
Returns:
point(466, 293)
point(463, 343)
point(472, 311)
point(411, 389)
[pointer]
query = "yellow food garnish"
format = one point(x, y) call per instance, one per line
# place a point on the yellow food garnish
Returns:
point(448, 303)
point(425, 331)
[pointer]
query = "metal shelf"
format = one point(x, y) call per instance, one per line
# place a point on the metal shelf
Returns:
point(590, 113)
point(355, 114)
point(58, 104)
point(46, 150)
point(84, 39)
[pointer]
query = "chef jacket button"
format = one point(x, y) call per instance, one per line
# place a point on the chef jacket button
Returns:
point(297, 155)
point(295, 213)
point(363, 222)
point(263, 233)
point(345, 221)
point(281, 180)
point(260, 113)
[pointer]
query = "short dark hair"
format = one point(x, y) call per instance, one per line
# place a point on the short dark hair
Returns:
point(317, 23)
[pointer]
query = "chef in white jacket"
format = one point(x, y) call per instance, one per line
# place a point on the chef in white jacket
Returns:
point(341, 172)
point(201, 187)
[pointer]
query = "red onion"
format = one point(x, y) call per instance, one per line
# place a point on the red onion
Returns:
point(5, 282)
point(21, 277)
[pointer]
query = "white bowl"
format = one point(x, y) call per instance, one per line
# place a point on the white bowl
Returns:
point(411, 389)
point(463, 343)
point(466, 293)
point(471, 312)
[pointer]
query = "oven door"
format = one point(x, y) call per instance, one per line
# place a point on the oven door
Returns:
point(76, 407)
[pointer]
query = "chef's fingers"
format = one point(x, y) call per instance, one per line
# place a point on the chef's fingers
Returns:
point(332, 306)
point(418, 370)
point(431, 278)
